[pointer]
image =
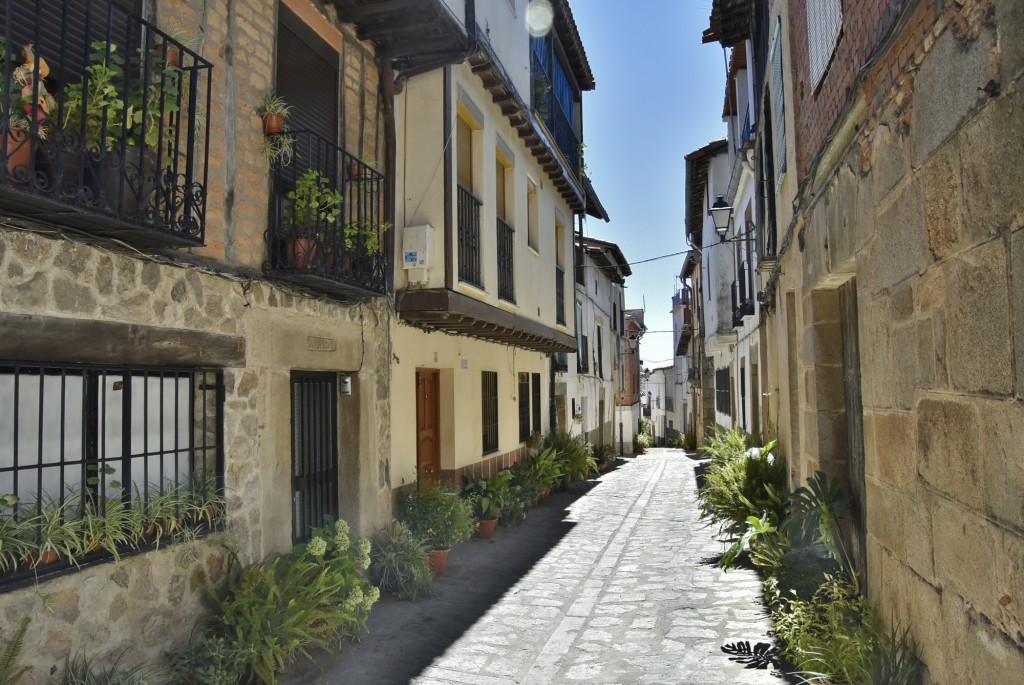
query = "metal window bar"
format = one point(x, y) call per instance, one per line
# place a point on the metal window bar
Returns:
point(535, 380)
point(583, 357)
point(469, 237)
point(524, 407)
point(506, 262)
point(559, 295)
point(489, 410)
point(561, 361)
point(314, 450)
point(137, 156)
point(327, 221)
point(82, 435)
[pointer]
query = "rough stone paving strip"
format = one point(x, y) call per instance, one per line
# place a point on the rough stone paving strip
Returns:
point(627, 596)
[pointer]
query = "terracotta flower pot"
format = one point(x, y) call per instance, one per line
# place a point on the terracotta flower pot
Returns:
point(485, 528)
point(18, 151)
point(302, 253)
point(273, 123)
point(438, 559)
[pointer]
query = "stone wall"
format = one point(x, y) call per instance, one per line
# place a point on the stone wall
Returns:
point(149, 603)
point(923, 213)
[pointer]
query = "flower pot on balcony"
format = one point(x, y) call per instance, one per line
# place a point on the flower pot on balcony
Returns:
point(302, 254)
point(273, 122)
point(17, 152)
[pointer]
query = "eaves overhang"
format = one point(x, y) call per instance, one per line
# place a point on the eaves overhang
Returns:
point(569, 34)
point(445, 310)
point(416, 35)
point(730, 22)
point(697, 167)
point(608, 257)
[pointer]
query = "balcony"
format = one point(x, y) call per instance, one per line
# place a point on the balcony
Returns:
point(102, 124)
point(469, 238)
point(742, 300)
point(559, 295)
point(506, 262)
point(555, 118)
point(327, 227)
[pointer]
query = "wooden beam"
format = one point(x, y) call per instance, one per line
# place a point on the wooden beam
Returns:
point(24, 337)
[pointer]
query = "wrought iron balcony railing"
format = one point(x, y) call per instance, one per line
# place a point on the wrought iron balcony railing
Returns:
point(103, 123)
point(506, 262)
point(327, 227)
point(469, 238)
point(560, 295)
point(550, 111)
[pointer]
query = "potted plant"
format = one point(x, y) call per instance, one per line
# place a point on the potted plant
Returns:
point(278, 149)
point(205, 504)
point(364, 233)
point(274, 111)
point(440, 517)
point(313, 218)
point(106, 526)
point(56, 531)
point(23, 110)
point(14, 536)
point(488, 496)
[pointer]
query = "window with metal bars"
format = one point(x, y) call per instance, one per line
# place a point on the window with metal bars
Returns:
point(77, 436)
point(314, 450)
point(723, 398)
point(535, 379)
point(524, 407)
point(489, 410)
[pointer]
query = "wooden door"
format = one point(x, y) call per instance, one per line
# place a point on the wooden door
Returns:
point(428, 437)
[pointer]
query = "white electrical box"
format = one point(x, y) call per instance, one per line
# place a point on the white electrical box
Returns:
point(416, 241)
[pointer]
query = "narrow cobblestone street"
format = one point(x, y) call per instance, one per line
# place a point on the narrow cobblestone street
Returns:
point(616, 584)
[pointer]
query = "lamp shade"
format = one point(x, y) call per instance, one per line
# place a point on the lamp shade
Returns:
point(721, 213)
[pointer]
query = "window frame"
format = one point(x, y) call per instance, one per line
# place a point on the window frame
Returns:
point(489, 407)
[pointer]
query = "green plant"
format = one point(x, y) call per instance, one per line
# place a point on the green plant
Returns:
point(214, 660)
point(546, 466)
point(107, 525)
point(641, 442)
point(204, 503)
point(10, 648)
point(399, 563)
point(278, 148)
point(488, 496)
point(271, 103)
point(604, 455)
point(55, 529)
point(14, 536)
point(526, 481)
point(440, 517)
point(80, 670)
point(290, 603)
point(364, 233)
point(94, 107)
point(576, 455)
point(316, 206)
point(27, 103)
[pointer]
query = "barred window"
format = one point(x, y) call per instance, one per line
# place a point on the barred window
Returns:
point(75, 436)
point(824, 22)
point(723, 398)
point(489, 410)
point(535, 378)
point(524, 407)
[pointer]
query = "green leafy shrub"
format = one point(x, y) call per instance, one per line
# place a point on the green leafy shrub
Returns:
point(214, 660)
point(10, 648)
point(526, 481)
point(547, 466)
point(739, 485)
point(641, 442)
point(488, 496)
point(290, 603)
point(441, 518)
point(576, 455)
point(80, 670)
point(604, 455)
point(399, 564)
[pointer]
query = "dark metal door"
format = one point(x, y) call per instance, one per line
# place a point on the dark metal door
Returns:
point(314, 450)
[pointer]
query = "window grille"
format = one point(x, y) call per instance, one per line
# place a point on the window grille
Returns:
point(524, 407)
point(489, 410)
point(778, 104)
point(824, 22)
point(82, 435)
point(723, 398)
point(535, 378)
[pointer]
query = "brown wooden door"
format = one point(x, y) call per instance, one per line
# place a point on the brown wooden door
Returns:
point(428, 410)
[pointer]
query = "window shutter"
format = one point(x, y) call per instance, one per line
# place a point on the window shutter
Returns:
point(778, 104)
point(464, 150)
point(824, 20)
point(307, 78)
point(499, 190)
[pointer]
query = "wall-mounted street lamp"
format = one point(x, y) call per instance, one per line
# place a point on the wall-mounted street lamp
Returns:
point(721, 213)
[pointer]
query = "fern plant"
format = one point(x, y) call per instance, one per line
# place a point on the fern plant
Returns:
point(10, 671)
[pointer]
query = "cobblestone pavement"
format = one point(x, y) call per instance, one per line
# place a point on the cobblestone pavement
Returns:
point(616, 584)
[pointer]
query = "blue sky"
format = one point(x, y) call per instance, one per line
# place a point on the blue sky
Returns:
point(659, 96)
